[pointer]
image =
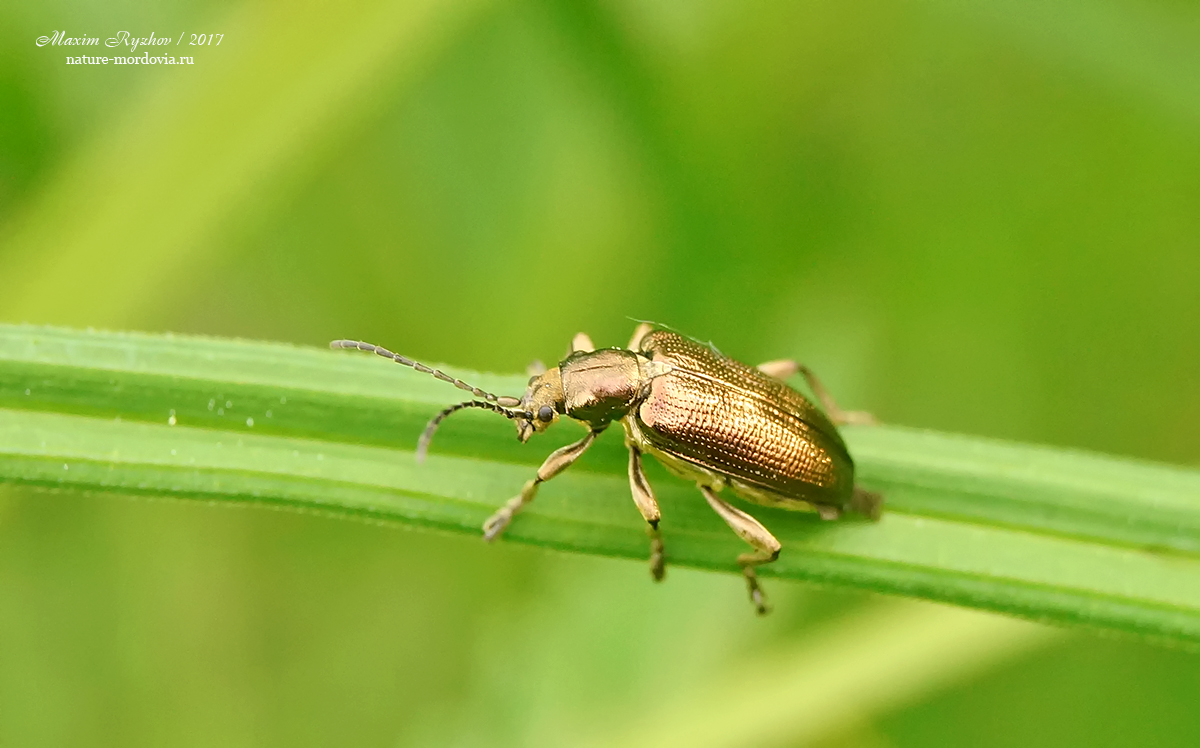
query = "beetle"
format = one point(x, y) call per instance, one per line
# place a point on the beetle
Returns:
point(706, 417)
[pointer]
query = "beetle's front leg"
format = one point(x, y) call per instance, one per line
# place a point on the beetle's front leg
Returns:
point(783, 369)
point(643, 496)
point(766, 547)
point(558, 461)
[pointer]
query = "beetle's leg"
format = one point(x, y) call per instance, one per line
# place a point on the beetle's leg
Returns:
point(640, 332)
point(783, 369)
point(827, 512)
point(558, 461)
point(766, 547)
point(867, 503)
point(643, 496)
point(582, 342)
point(836, 414)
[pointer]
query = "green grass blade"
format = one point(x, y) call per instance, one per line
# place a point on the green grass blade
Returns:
point(1044, 533)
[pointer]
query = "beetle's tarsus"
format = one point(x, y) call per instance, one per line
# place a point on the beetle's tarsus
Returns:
point(658, 557)
point(827, 512)
point(496, 523)
point(757, 597)
point(493, 527)
point(867, 503)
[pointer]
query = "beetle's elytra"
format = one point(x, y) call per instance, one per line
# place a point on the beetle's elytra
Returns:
point(707, 418)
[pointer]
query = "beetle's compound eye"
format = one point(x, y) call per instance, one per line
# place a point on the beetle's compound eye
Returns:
point(545, 414)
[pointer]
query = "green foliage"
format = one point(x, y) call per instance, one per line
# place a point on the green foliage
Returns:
point(1048, 534)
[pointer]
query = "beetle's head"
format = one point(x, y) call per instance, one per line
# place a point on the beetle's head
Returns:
point(529, 412)
point(543, 400)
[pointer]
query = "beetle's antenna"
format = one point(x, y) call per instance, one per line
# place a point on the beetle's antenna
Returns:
point(427, 435)
point(406, 361)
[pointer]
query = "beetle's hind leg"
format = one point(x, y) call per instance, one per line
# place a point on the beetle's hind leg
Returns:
point(766, 547)
point(643, 496)
point(558, 461)
point(784, 369)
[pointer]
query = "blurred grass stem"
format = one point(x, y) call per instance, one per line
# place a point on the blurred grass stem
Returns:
point(848, 673)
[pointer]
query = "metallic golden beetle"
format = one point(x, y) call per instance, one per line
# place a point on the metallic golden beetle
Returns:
point(706, 417)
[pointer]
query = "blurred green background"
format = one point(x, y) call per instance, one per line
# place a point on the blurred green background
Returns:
point(979, 217)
